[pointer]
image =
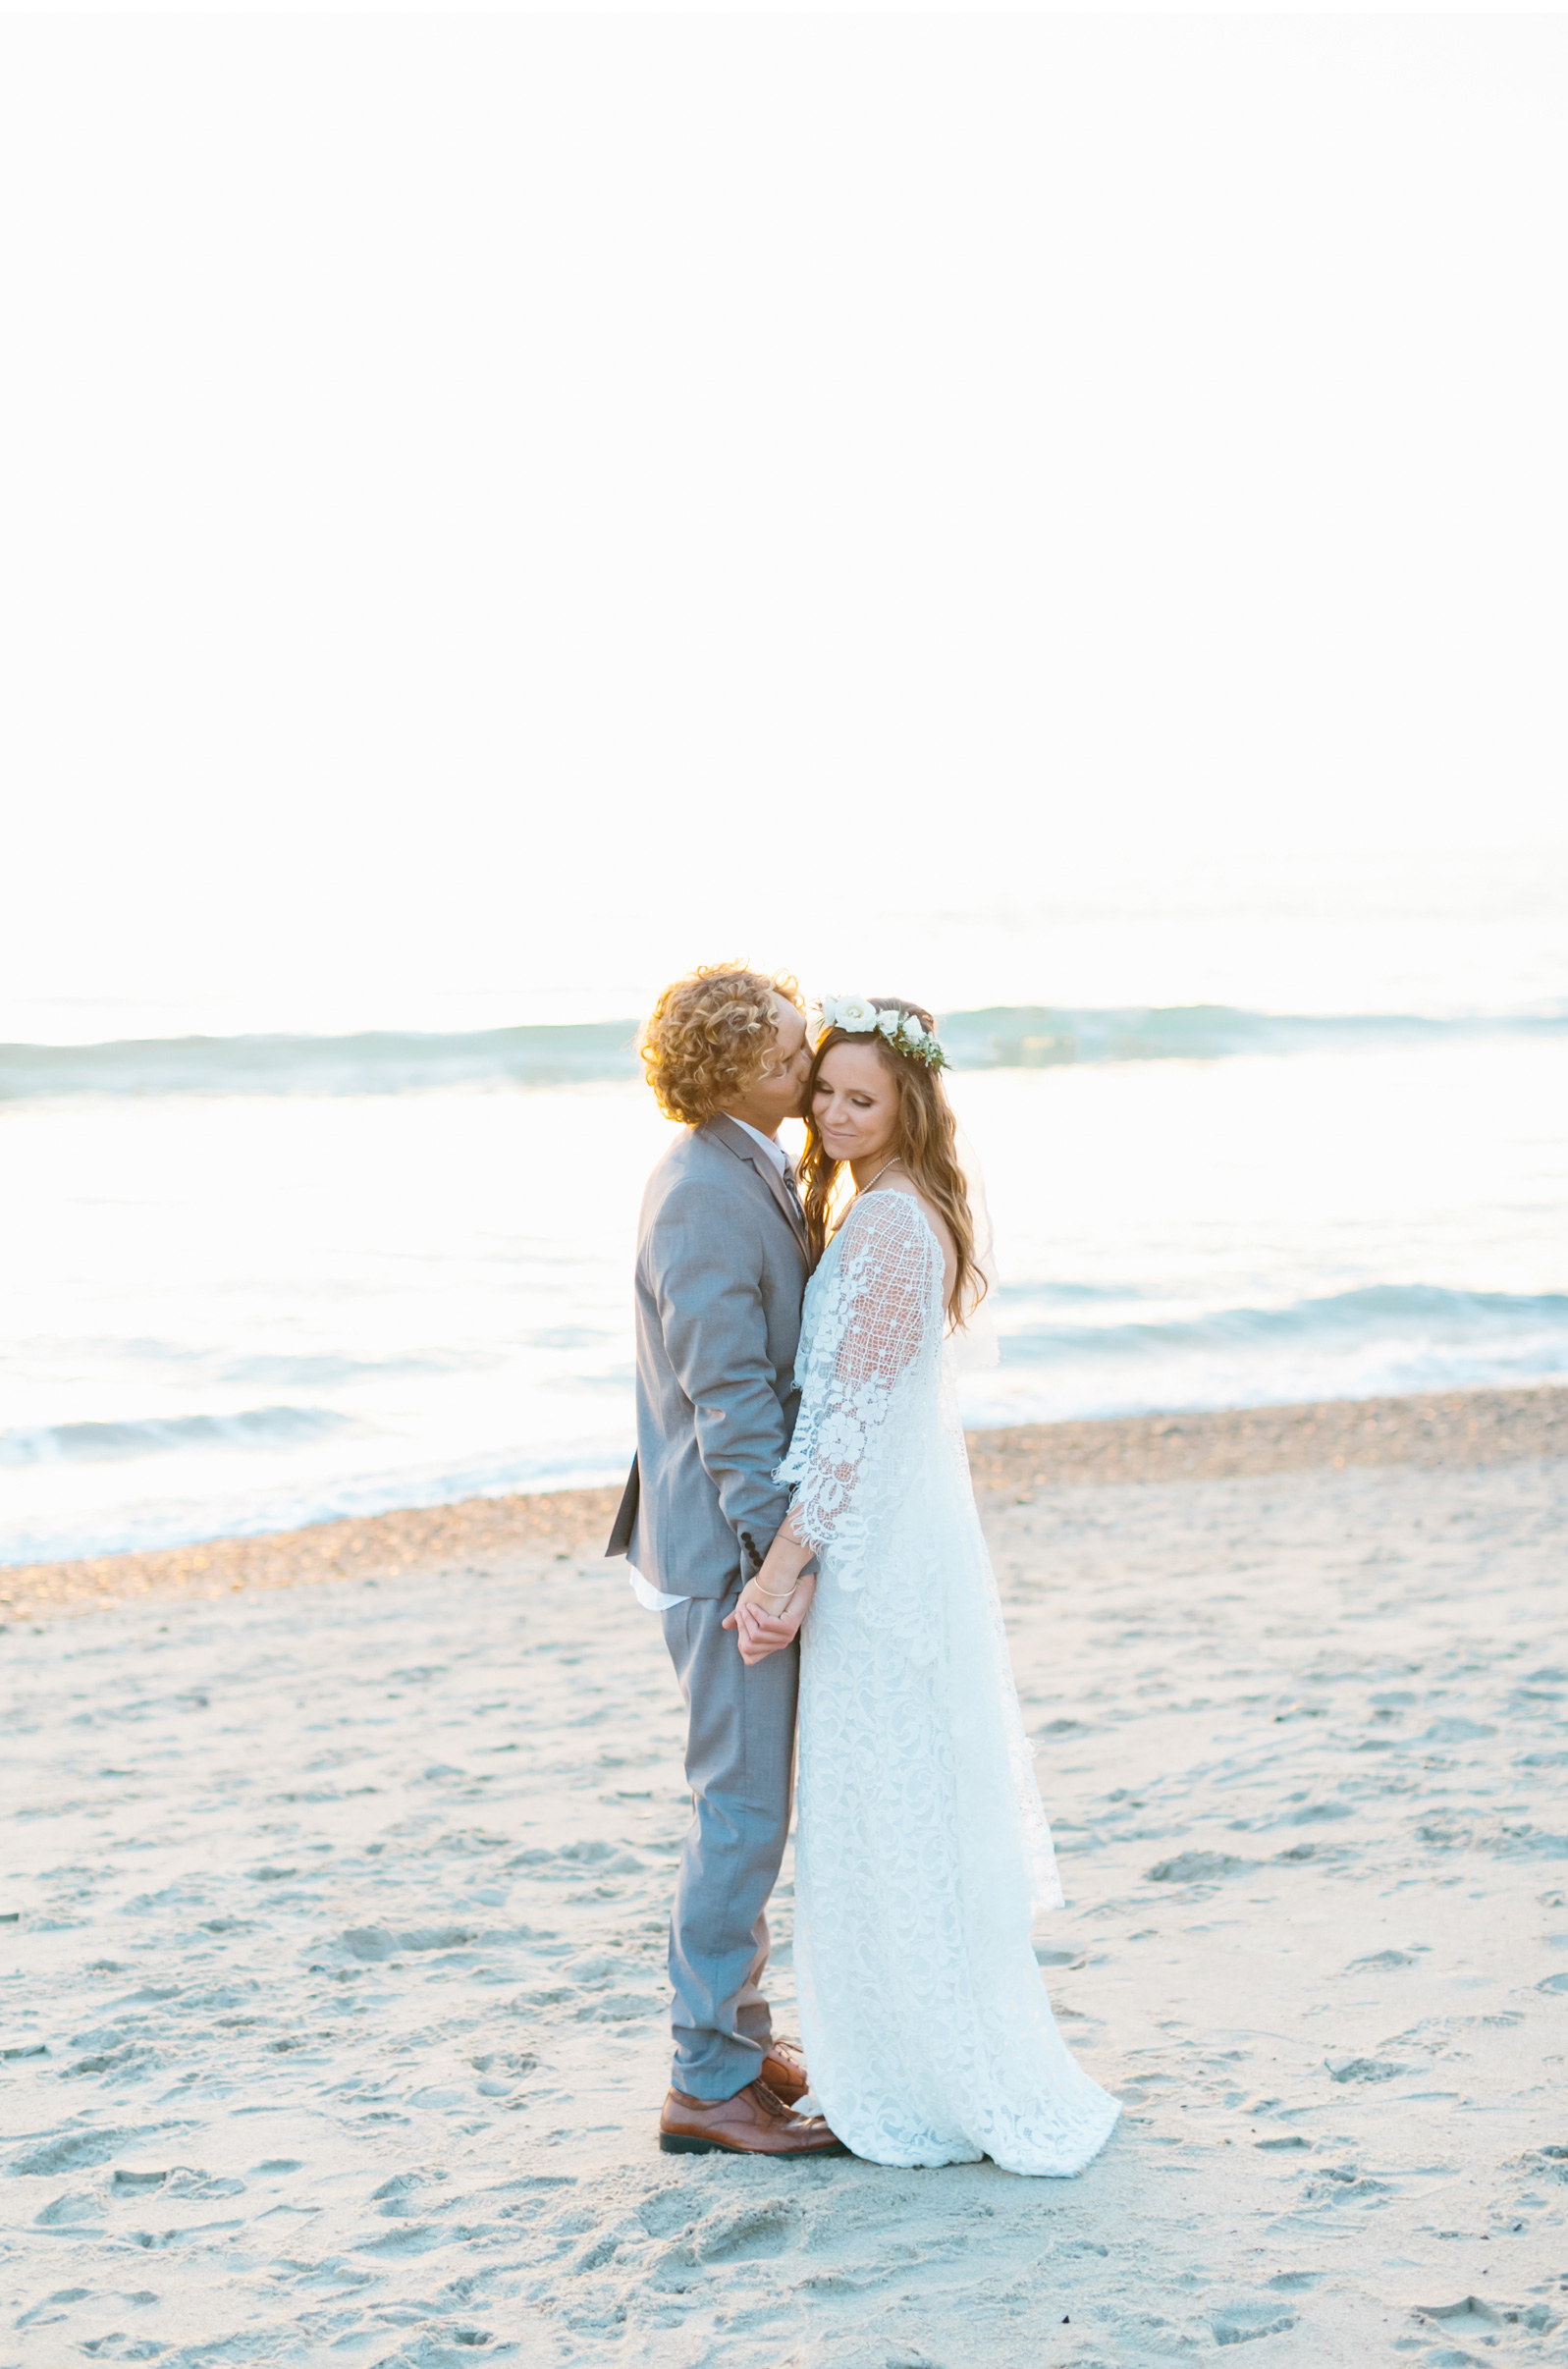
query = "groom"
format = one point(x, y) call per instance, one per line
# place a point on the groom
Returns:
point(722, 1265)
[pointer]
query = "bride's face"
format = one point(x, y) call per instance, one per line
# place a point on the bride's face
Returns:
point(855, 1104)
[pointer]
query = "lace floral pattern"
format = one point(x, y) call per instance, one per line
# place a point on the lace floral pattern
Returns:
point(863, 1342)
point(922, 1849)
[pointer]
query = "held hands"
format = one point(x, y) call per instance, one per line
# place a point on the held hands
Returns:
point(762, 1626)
point(772, 1606)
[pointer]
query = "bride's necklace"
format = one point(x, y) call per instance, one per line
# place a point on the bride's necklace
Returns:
point(881, 1172)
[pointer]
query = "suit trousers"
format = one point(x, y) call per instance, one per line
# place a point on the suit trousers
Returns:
point(741, 1749)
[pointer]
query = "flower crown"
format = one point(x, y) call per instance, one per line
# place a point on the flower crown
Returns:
point(858, 1016)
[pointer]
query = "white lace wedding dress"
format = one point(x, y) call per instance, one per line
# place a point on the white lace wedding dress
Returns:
point(922, 1849)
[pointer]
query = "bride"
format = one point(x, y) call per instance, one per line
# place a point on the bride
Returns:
point(922, 1848)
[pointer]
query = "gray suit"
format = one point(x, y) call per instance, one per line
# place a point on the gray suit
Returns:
point(722, 1265)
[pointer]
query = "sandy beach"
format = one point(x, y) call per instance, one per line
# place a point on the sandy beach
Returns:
point(332, 1924)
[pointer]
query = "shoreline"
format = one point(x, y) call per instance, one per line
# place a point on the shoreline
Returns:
point(520, 1536)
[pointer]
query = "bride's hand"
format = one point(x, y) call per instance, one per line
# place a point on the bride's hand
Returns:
point(762, 1627)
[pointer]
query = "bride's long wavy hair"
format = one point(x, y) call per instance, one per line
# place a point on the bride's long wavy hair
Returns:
point(926, 1143)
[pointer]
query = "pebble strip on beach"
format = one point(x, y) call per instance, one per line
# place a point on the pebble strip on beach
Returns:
point(1447, 1428)
point(483, 1536)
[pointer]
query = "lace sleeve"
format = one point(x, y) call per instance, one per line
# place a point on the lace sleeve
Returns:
point(877, 1328)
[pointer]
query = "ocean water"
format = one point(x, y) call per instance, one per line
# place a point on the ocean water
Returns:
point(254, 1282)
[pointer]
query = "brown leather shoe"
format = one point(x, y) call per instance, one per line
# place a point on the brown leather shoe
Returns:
point(784, 2069)
point(752, 2122)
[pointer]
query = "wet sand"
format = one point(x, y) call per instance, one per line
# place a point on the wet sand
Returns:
point(332, 1928)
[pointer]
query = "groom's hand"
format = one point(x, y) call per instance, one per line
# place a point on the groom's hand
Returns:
point(762, 1628)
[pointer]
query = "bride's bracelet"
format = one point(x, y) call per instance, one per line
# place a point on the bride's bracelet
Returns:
point(775, 1595)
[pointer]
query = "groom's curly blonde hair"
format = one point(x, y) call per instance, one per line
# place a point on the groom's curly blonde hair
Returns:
point(709, 1036)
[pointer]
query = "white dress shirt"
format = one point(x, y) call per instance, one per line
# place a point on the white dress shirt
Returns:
point(646, 1594)
point(770, 1143)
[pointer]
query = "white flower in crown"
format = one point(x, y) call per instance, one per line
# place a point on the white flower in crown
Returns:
point(910, 1029)
point(888, 1023)
point(856, 1014)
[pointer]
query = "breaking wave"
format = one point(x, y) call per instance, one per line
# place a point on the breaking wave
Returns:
point(164, 1434)
point(1089, 1353)
point(1003, 1037)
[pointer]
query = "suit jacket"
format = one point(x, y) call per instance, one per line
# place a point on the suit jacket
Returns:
point(722, 1265)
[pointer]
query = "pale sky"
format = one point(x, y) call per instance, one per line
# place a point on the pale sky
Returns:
point(469, 482)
